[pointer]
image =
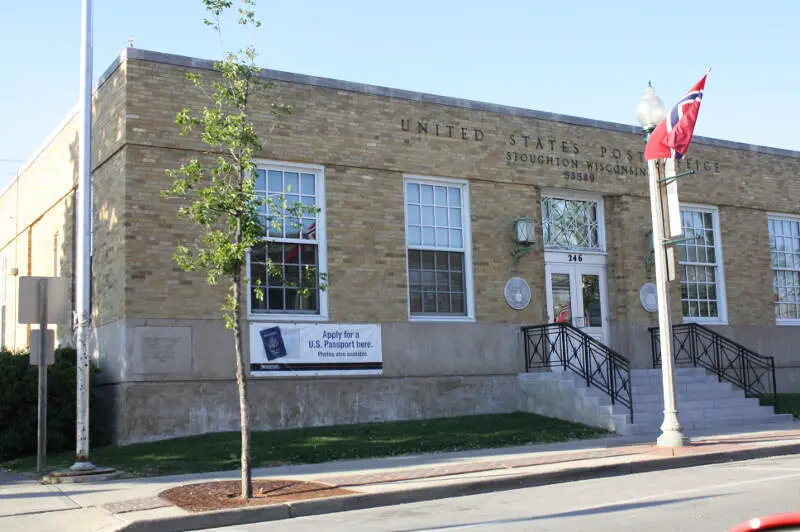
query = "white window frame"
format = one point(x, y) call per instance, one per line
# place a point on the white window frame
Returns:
point(722, 299)
point(782, 218)
point(572, 195)
point(469, 291)
point(322, 246)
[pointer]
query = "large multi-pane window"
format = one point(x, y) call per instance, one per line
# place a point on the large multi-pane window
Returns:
point(571, 224)
point(284, 271)
point(437, 236)
point(784, 247)
point(700, 262)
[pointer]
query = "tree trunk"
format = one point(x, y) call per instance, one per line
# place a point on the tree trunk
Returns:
point(241, 381)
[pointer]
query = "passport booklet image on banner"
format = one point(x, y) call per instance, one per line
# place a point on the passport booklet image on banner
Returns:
point(273, 343)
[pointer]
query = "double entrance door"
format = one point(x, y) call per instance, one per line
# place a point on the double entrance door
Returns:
point(577, 292)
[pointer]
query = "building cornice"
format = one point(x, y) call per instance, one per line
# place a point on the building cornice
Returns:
point(421, 97)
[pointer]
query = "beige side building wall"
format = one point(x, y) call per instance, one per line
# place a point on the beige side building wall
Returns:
point(38, 208)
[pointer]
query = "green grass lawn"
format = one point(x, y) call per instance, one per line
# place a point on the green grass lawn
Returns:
point(220, 451)
point(789, 403)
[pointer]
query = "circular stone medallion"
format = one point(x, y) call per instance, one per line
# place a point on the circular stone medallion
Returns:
point(518, 293)
point(648, 297)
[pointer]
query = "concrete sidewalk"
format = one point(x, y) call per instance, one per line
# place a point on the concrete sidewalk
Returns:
point(133, 504)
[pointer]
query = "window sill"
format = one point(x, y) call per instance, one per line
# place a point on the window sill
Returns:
point(442, 319)
point(787, 323)
point(266, 318)
point(582, 251)
point(706, 321)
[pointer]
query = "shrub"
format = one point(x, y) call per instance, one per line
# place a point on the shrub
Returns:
point(19, 400)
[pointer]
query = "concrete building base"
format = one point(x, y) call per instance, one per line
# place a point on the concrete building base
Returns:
point(147, 411)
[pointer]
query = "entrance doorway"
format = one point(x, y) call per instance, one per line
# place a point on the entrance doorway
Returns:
point(575, 262)
point(577, 294)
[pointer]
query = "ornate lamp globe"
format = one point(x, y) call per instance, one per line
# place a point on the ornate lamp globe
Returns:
point(650, 111)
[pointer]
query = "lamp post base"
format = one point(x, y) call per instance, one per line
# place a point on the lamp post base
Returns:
point(82, 465)
point(672, 432)
point(96, 474)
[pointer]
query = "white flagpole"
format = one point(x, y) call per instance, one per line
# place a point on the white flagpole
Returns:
point(83, 249)
point(671, 430)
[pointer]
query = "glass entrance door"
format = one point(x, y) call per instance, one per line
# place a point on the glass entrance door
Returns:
point(576, 295)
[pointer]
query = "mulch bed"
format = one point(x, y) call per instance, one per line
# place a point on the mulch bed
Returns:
point(224, 494)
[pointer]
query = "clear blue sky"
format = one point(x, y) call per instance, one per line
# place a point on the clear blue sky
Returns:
point(586, 58)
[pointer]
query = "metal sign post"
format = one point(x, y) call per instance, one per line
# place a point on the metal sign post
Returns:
point(41, 452)
point(42, 300)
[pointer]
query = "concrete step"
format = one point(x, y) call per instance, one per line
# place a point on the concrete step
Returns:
point(682, 387)
point(738, 401)
point(679, 372)
point(654, 427)
point(705, 395)
point(569, 379)
point(538, 375)
point(703, 401)
point(685, 379)
point(621, 421)
point(753, 412)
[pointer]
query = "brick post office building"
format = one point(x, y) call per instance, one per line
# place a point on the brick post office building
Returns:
point(418, 195)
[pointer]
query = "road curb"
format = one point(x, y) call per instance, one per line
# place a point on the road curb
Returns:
point(363, 501)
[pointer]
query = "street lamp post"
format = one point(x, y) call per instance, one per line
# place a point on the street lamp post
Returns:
point(650, 112)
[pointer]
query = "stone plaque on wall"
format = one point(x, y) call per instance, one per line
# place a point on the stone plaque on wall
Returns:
point(648, 297)
point(517, 293)
point(162, 350)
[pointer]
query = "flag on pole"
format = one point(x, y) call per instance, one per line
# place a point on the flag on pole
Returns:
point(671, 138)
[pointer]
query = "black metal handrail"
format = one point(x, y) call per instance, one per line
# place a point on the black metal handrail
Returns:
point(560, 344)
point(728, 360)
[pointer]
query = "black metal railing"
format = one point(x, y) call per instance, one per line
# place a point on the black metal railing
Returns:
point(730, 361)
point(561, 345)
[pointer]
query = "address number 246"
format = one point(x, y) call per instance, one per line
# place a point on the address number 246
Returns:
point(575, 258)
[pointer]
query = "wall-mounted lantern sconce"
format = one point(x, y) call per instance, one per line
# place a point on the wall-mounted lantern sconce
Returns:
point(649, 259)
point(524, 237)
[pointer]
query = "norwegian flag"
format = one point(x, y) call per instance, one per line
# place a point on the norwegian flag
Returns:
point(671, 138)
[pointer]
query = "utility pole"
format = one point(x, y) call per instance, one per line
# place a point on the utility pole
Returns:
point(83, 279)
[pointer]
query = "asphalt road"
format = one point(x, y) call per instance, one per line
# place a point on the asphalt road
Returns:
point(699, 499)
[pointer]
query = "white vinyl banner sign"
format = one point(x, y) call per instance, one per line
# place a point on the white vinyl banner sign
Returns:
point(299, 350)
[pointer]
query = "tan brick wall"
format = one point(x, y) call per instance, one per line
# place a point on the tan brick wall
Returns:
point(627, 225)
point(747, 264)
point(366, 245)
point(108, 257)
point(154, 285)
point(494, 208)
point(355, 135)
point(109, 125)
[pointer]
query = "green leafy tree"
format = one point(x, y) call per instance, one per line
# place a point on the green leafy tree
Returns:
point(220, 192)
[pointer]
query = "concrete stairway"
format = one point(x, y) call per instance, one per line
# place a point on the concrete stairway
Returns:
point(564, 395)
point(703, 402)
